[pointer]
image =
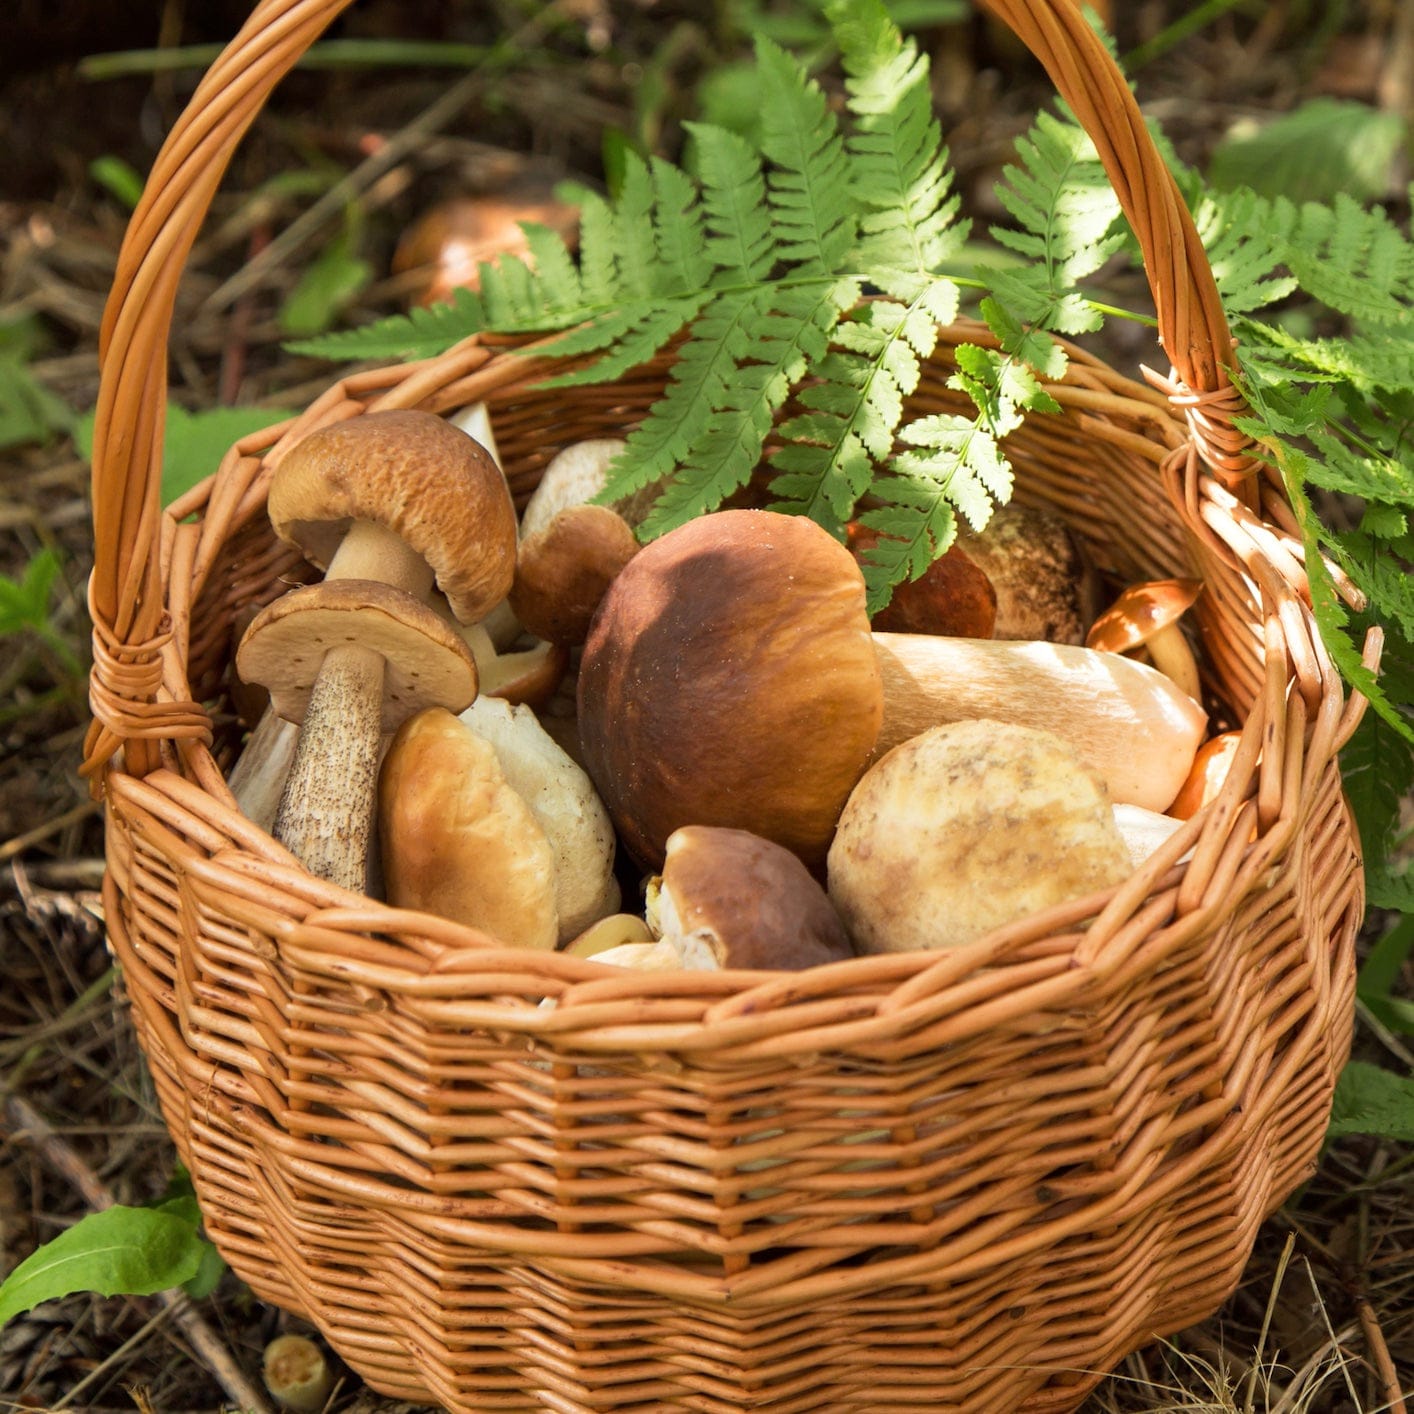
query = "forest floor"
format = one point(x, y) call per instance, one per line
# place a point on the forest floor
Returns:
point(1324, 1316)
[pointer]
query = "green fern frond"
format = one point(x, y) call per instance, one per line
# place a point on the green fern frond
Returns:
point(898, 164)
point(807, 185)
point(740, 241)
point(680, 233)
point(1067, 224)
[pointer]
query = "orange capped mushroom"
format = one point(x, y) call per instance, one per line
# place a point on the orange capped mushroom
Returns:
point(1146, 616)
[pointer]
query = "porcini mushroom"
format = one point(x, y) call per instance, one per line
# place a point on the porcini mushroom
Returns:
point(1045, 589)
point(458, 840)
point(571, 549)
point(1146, 616)
point(967, 828)
point(731, 678)
point(953, 596)
point(387, 503)
point(563, 800)
point(751, 902)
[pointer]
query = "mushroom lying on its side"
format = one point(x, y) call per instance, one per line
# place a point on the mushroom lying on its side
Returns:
point(967, 828)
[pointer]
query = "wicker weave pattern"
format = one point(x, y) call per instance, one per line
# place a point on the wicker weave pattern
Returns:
point(506, 1181)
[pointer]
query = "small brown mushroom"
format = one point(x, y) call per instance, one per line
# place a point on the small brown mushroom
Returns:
point(1210, 768)
point(953, 596)
point(1146, 616)
point(387, 503)
point(965, 829)
point(751, 902)
point(564, 570)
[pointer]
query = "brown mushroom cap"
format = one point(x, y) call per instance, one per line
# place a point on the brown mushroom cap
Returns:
point(565, 569)
point(1210, 768)
point(752, 902)
point(1140, 612)
point(456, 838)
point(966, 828)
point(427, 664)
point(953, 596)
point(729, 678)
point(432, 485)
point(1045, 590)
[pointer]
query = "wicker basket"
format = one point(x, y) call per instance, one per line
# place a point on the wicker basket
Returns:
point(969, 1181)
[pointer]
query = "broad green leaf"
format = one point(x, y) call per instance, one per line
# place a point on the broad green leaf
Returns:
point(118, 1251)
point(1373, 1101)
point(325, 288)
point(1324, 148)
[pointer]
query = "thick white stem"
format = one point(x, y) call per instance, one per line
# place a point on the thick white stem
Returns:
point(1124, 719)
point(258, 778)
point(372, 551)
point(325, 818)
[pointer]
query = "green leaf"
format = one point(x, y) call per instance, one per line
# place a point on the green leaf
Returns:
point(30, 415)
point(1380, 974)
point(1372, 1101)
point(325, 288)
point(118, 1251)
point(118, 178)
point(1323, 149)
point(24, 604)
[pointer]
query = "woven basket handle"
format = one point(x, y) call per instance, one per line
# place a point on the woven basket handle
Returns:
point(125, 595)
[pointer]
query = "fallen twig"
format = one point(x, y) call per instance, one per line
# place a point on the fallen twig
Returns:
point(24, 1122)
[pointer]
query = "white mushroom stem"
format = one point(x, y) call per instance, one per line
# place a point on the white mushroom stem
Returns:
point(1174, 659)
point(1125, 719)
point(258, 778)
point(326, 819)
point(371, 551)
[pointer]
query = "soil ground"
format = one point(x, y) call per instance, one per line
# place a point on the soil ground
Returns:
point(1325, 1312)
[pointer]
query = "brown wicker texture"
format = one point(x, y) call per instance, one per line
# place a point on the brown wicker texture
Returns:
point(507, 1181)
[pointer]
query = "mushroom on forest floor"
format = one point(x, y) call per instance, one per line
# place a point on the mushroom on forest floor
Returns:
point(731, 678)
point(386, 503)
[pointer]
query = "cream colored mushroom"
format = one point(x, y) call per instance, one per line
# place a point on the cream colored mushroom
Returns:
point(966, 828)
point(458, 840)
point(564, 803)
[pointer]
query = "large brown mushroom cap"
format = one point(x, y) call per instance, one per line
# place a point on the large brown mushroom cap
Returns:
point(729, 678)
point(753, 903)
point(429, 483)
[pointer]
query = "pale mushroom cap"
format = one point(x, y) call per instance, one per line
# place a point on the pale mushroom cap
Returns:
point(564, 570)
point(416, 474)
point(576, 476)
point(1142, 611)
point(457, 840)
point(426, 663)
point(967, 828)
point(611, 932)
point(523, 676)
point(1045, 590)
point(730, 679)
point(563, 800)
point(752, 902)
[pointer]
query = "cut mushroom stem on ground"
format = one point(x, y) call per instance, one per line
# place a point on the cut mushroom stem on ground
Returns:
point(731, 678)
point(389, 504)
point(1146, 616)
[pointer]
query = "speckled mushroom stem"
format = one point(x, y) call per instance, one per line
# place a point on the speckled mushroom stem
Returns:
point(325, 818)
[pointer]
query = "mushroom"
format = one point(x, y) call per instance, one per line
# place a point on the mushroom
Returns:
point(386, 503)
point(611, 932)
point(1210, 769)
point(1045, 589)
point(731, 678)
point(570, 549)
point(952, 596)
point(521, 675)
point(458, 840)
point(751, 902)
point(297, 1374)
point(1143, 830)
point(563, 801)
point(1146, 616)
point(965, 829)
